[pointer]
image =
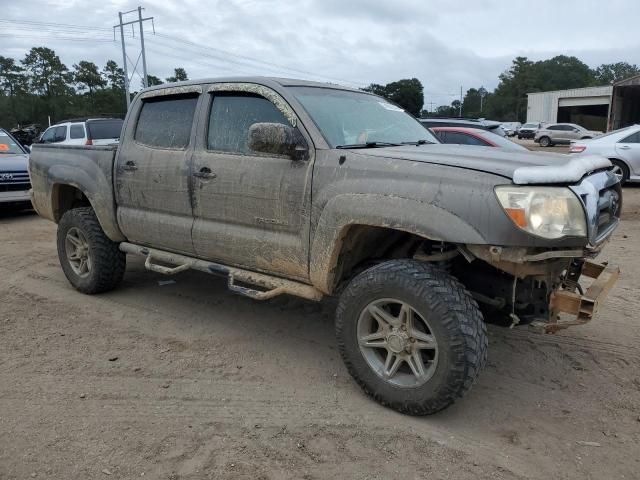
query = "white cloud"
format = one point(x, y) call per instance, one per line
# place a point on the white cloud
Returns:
point(445, 44)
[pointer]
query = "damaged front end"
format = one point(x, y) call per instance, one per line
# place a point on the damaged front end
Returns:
point(521, 286)
point(536, 286)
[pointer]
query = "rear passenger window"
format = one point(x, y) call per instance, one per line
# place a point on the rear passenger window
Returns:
point(231, 117)
point(76, 131)
point(464, 139)
point(165, 122)
point(633, 138)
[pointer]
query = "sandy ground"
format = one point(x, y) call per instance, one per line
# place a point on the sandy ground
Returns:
point(187, 381)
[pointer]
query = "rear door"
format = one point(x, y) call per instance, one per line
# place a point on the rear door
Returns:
point(628, 149)
point(251, 209)
point(77, 135)
point(152, 170)
point(104, 132)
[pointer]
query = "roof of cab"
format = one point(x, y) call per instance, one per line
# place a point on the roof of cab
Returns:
point(267, 81)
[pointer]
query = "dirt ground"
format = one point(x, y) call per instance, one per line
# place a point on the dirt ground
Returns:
point(187, 381)
point(531, 145)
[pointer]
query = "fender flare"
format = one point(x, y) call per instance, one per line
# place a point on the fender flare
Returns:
point(388, 211)
point(97, 188)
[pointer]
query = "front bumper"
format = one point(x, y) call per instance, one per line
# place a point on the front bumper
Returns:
point(581, 307)
point(15, 197)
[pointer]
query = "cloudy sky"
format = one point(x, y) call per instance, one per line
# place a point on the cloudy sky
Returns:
point(444, 43)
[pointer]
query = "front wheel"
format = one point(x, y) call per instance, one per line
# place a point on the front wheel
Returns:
point(90, 260)
point(411, 335)
point(621, 170)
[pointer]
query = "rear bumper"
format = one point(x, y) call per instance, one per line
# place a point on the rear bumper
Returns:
point(581, 308)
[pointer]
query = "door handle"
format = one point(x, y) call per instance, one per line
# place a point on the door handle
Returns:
point(130, 166)
point(204, 173)
point(625, 147)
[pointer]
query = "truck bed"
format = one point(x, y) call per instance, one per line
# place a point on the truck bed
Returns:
point(67, 166)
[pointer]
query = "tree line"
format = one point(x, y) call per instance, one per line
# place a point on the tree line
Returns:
point(40, 86)
point(508, 102)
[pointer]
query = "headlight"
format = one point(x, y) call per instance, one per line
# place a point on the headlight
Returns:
point(549, 212)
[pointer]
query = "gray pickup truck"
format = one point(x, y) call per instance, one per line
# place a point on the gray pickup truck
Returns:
point(314, 190)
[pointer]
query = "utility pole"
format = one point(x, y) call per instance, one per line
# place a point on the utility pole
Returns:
point(460, 114)
point(144, 56)
point(124, 63)
point(431, 104)
point(140, 21)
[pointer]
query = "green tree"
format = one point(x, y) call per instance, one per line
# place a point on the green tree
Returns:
point(608, 73)
point(408, 93)
point(87, 76)
point(12, 80)
point(47, 74)
point(179, 75)
point(153, 80)
point(113, 75)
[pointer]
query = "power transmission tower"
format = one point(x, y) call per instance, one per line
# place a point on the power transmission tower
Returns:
point(140, 21)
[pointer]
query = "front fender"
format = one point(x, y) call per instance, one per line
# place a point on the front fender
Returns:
point(388, 211)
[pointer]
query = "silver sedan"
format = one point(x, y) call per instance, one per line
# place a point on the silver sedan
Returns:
point(622, 147)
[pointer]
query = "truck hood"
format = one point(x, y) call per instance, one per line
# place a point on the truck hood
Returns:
point(521, 167)
point(14, 163)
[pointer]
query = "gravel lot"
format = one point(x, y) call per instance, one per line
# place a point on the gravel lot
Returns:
point(186, 381)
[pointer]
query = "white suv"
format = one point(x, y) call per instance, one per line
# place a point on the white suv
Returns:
point(95, 131)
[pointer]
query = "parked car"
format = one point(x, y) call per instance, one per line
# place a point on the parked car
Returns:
point(511, 128)
point(308, 189)
point(490, 125)
point(474, 136)
point(97, 131)
point(562, 134)
point(14, 174)
point(622, 147)
point(529, 129)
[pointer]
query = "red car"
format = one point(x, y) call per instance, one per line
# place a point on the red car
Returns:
point(474, 136)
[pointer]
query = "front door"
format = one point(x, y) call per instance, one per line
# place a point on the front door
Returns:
point(250, 209)
point(152, 171)
point(628, 149)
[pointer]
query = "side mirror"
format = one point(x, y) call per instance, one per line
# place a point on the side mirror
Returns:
point(278, 139)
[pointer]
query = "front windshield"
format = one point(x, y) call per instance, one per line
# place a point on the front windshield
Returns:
point(8, 146)
point(530, 125)
point(352, 118)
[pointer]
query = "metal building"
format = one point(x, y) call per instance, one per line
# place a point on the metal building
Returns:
point(589, 107)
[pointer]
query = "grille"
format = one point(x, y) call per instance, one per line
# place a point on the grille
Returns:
point(14, 181)
point(609, 209)
point(14, 187)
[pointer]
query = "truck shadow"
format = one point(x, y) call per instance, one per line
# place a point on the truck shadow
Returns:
point(525, 370)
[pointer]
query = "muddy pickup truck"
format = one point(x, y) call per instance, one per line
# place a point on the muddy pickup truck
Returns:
point(314, 190)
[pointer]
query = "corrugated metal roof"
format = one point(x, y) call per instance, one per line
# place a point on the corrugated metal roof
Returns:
point(579, 92)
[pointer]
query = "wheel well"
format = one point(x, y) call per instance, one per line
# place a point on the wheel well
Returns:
point(66, 197)
point(362, 246)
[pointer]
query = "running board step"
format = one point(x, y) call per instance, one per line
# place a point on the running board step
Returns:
point(274, 285)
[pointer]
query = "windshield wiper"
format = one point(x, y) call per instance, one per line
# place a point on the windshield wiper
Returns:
point(419, 142)
point(370, 145)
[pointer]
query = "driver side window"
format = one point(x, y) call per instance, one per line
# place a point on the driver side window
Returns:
point(231, 116)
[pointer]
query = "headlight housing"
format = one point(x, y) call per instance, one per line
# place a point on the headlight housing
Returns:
point(548, 212)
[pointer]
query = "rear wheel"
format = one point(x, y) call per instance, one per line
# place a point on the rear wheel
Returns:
point(621, 170)
point(545, 141)
point(411, 335)
point(90, 260)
